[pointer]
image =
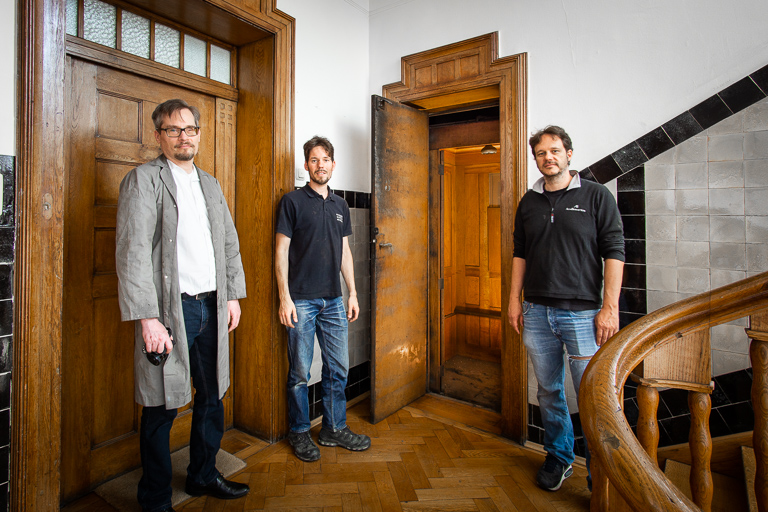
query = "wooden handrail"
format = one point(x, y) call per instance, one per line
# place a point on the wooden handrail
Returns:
point(612, 443)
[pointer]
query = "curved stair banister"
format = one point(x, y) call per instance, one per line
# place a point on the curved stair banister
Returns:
point(616, 452)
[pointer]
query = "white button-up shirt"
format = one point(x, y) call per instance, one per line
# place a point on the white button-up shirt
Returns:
point(194, 247)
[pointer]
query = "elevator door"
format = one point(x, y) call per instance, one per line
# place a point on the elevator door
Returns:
point(399, 279)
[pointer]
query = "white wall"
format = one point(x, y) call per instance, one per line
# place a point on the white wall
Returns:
point(8, 78)
point(608, 72)
point(332, 96)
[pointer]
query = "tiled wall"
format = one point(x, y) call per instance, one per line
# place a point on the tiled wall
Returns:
point(7, 240)
point(692, 199)
point(707, 220)
point(358, 381)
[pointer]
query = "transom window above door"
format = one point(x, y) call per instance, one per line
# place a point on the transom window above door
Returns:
point(149, 37)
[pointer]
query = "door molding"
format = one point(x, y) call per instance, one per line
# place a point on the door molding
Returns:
point(465, 74)
point(39, 254)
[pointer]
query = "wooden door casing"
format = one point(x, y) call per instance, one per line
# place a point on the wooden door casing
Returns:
point(445, 78)
point(399, 216)
point(110, 132)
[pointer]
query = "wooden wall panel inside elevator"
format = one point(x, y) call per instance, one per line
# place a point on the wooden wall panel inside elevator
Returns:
point(471, 256)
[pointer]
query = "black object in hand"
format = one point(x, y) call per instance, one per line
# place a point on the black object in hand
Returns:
point(157, 358)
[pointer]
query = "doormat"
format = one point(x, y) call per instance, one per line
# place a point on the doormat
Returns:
point(121, 492)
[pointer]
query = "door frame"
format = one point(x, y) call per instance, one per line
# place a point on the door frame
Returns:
point(265, 173)
point(463, 74)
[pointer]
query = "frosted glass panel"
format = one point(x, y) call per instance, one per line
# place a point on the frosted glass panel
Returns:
point(100, 23)
point(135, 37)
point(72, 17)
point(220, 61)
point(167, 45)
point(194, 55)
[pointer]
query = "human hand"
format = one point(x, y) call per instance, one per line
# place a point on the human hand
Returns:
point(156, 338)
point(515, 315)
point(233, 314)
point(607, 324)
point(353, 309)
point(288, 313)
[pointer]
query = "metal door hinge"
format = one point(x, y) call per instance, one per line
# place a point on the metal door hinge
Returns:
point(441, 167)
point(441, 284)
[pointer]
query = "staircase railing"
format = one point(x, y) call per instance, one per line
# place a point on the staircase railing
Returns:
point(625, 471)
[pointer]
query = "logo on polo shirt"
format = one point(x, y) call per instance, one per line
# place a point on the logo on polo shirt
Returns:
point(575, 208)
point(339, 218)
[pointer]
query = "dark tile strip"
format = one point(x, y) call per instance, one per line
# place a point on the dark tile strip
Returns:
point(709, 112)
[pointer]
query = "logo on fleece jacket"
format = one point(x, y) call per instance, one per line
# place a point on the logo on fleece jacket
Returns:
point(575, 208)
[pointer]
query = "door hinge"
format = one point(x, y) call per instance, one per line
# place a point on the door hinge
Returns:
point(379, 103)
point(441, 167)
point(441, 284)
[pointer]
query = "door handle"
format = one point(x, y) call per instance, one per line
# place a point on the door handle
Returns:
point(385, 245)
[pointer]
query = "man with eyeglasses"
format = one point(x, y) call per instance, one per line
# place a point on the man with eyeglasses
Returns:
point(179, 278)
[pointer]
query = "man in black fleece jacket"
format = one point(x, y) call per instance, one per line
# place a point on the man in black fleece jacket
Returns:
point(568, 236)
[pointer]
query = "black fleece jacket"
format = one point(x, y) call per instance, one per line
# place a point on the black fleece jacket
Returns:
point(564, 240)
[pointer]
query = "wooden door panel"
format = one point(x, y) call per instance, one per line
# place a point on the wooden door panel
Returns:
point(400, 213)
point(110, 131)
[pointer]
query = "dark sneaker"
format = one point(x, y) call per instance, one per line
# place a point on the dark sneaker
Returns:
point(303, 447)
point(553, 473)
point(344, 438)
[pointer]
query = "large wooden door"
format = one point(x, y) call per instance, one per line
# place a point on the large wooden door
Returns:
point(399, 212)
point(110, 131)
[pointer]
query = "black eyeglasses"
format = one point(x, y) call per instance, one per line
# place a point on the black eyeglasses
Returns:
point(174, 132)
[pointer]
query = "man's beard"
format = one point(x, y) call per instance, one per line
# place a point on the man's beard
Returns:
point(321, 181)
point(185, 156)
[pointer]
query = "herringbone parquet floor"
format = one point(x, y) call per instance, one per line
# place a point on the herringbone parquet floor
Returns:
point(422, 458)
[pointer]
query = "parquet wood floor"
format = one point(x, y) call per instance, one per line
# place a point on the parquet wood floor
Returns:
point(425, 457)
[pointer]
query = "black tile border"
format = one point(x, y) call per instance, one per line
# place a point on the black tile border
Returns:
point(732, 99)
point(358, 383)
point(674, 419)
point(354, 199)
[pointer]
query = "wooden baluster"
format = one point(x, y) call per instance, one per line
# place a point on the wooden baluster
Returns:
point(758, 353)
point(647, 424)
point(700, 442)
point(599, 501)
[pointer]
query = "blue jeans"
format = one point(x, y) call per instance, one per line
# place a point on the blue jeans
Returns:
point(200, 321)
point(326, 318)
point(546, 332)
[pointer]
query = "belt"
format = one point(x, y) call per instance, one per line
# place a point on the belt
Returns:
point(198, 296)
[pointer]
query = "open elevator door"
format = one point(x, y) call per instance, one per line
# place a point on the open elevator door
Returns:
point(400, 255)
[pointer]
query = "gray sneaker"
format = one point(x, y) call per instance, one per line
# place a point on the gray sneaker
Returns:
point(553, 473)
point(303, 447)
point(344, 438)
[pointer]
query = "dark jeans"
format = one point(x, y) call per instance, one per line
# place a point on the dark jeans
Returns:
point(207, 414)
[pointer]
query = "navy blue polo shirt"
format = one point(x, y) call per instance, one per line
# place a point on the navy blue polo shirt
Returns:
point(316, 227)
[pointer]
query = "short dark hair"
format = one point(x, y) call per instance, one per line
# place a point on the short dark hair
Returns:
point(554, 131)
point(169, 107)
point(318, 141)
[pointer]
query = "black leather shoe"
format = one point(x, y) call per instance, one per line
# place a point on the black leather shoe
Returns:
point(220, 488)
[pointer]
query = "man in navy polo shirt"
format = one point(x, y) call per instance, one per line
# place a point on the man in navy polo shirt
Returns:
point(312, 247)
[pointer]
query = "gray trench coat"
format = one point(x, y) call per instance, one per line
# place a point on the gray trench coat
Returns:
point(148, 280)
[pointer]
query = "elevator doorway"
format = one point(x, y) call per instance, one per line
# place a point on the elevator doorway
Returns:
point(471, 254)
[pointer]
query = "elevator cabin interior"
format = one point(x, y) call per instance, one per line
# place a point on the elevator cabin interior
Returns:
point(471, 315)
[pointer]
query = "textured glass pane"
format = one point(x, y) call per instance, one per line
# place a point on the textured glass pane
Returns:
point(167, 45)
point(72, 17)
point(220, 60)
point(194, 55)
point(100, 23)
point(135, 34)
